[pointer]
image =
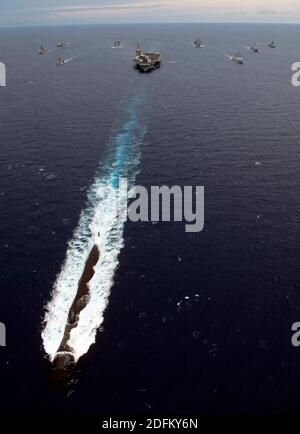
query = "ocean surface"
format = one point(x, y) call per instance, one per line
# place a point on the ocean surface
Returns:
point(188, 323)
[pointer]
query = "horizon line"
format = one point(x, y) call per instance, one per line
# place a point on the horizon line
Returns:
point(12, 26)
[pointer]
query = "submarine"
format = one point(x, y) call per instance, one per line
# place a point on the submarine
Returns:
point(64, 360)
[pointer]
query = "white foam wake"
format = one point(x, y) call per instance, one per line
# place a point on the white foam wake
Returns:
point(100, 224)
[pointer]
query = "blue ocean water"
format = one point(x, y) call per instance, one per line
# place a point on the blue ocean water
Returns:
point(195, 322)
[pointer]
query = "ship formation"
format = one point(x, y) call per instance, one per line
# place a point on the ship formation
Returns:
point(148, 61)
point(64, 359)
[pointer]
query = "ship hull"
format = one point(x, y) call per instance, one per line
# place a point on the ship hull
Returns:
point(148, 68)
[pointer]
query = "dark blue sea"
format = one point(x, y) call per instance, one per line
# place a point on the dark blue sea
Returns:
point(195, 323)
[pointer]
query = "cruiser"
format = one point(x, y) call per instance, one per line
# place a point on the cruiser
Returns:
point(146, 62)
point(238, 58)
point(43, 50)
point(272, 45)
point(60, 61)
point(198, 43)
point(117, 44)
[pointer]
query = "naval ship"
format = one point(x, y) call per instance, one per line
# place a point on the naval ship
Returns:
point(60, 61)
point(117, 44)
point(64, 360)
point(198, 43)
point(238, 58)
point(146, 62)
point(43, 50)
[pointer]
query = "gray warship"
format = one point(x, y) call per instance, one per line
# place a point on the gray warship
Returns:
point(146, 62)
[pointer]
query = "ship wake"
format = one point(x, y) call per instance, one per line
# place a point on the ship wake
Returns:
point(94, 248)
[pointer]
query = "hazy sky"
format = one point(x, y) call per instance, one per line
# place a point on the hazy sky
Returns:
point(28, 12)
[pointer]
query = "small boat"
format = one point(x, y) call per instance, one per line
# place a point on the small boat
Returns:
point(60, 61)
point(198, 43)
point(117, 44)
point(272, 44)
point(238, 58)
point(254, 49)
point(146, 62)
point(43, 50)
point(60, 44)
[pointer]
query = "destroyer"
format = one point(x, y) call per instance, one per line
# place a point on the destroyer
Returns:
point(238, 58)
point(43, 50)
point(60, 61)
point(198, 43)
point(146, 62)
point(117, 44)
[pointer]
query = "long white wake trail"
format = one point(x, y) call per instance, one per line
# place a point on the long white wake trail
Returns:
point(98, 218)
